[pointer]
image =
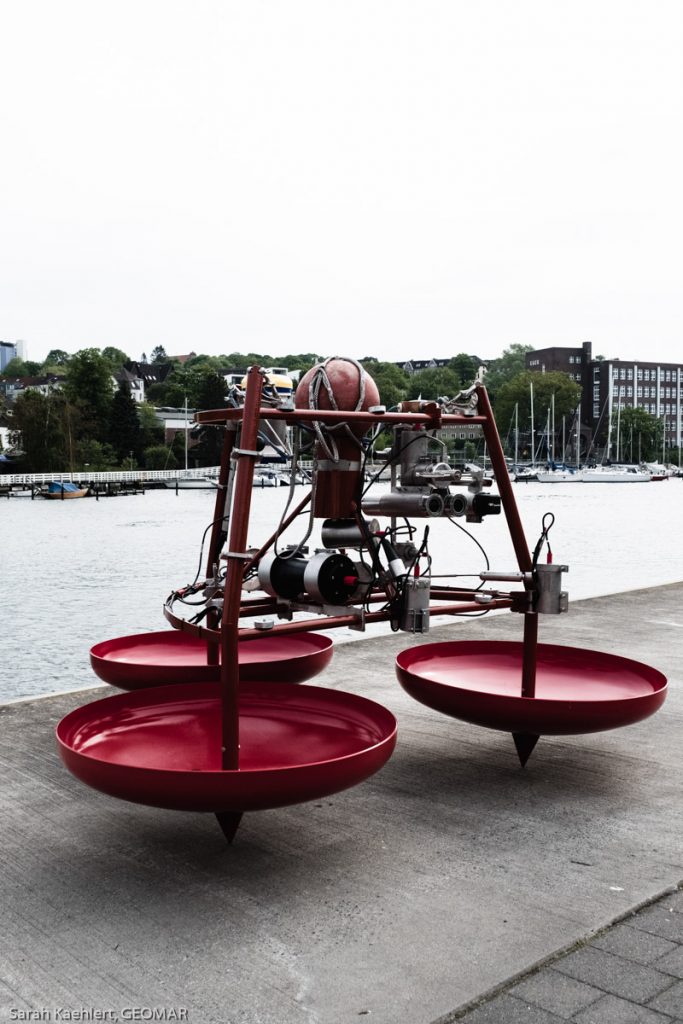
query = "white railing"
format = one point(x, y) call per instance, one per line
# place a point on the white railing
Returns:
point(111, 476)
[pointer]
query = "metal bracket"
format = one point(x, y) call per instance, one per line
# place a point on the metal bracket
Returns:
point(343, 466)
point(246, 451)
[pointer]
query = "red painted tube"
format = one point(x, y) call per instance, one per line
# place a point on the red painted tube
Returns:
point(520, 545)
point(213, 649)
point(507, 496)
point(274, 536)
point(529, 654)
point(246, 457)
point(431, 420)
point(333, 621)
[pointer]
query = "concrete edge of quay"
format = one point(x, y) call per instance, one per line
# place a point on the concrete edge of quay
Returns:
point(553, 958)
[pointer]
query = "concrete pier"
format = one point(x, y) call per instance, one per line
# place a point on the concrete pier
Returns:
point(406, 900)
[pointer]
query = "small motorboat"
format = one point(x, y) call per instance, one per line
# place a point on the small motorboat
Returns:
point(64, 489)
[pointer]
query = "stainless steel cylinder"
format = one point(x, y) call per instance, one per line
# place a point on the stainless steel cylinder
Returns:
point(344, 533)
point(551, 598)
point(401, 503)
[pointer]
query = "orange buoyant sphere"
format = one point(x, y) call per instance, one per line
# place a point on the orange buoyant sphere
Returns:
point(350, 385)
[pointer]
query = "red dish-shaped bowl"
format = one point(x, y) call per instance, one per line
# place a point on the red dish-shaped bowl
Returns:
point(163, 746)
point(171, 656)
point(577, 691)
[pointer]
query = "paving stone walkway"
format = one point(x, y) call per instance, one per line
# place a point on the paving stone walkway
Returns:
point(632, 973)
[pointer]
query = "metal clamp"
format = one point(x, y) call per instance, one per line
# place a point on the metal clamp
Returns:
point(342, 465)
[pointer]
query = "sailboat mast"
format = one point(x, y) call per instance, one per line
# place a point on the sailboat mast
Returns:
point(185, 432)
point(516, 432)
point(533, 438)
point(552, 406)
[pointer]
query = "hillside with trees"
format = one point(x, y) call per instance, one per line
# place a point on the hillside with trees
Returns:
point(86, 419)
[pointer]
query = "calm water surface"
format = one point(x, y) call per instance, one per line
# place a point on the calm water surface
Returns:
point(78, 572)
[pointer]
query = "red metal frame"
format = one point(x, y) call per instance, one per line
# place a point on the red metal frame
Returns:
point(303, 742)
point(246, 456)
point(432, 418)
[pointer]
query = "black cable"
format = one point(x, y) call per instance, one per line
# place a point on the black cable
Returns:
point(389, 462)
point(474, 539)
point(545, 530)
point(201, 548)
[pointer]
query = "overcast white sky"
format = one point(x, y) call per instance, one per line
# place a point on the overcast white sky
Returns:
point(386, 177)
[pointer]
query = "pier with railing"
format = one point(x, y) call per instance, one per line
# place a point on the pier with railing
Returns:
point(109, 482)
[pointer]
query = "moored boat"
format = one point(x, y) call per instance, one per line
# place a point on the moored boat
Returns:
point(615, 475)
point(523, 474)
point(559, 475)
point(189, 483)
point(265, 478)
point(62, 489)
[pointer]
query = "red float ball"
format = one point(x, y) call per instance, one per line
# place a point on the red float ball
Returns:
point(352, 387)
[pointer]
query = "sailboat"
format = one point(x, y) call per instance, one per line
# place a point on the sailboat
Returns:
point(523, 474)
point(189, 479)
point(557, 473)
point(616, 473)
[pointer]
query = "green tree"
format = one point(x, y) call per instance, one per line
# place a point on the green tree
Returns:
point(159, 355)
point(509, 365)
point(55, 360)
point(178, 447)
point(210, 390)
point(21, 368)
point(115, 357)
point(429, 385)
point(517, 392)
point(464, 367)
point(42, 430)
point(302, 362)
point(210, 394)
point(96, 455)
point(639, 435)
point(89, 386)
point(156, 393)
point(391, 381)
point(203, 364)
point(181, 384)
point(158, 456)
point(151, 430)
point(236, 361)
point(125, 434)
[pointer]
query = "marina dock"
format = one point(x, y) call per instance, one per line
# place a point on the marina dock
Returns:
point(444, 887)
point(109, 483)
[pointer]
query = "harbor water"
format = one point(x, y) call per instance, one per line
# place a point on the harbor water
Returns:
point(79, 572)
